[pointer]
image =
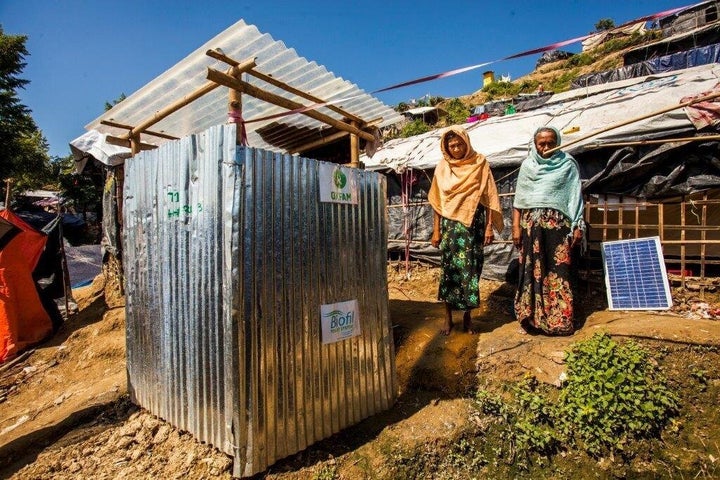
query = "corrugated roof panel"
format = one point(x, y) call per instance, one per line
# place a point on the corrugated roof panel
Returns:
point(240, 42)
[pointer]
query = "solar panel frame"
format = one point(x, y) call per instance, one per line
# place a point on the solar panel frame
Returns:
point(635, 275)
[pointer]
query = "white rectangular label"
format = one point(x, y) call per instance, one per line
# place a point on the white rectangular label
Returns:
point(338, 184)
point(339, 321)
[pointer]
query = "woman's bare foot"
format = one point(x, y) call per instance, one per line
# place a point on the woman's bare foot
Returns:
point(467, 323)
point(448, 321)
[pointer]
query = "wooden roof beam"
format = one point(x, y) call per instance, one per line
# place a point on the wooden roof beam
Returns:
point(244, 87)
point(218, 55)
point(110, 123)
point(319, 143)
point(186, 100)
point(124, 142)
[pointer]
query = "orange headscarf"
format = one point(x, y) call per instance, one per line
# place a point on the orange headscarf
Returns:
point(460, 185)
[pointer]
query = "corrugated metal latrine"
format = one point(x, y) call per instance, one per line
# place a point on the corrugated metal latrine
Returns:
point(229, 255)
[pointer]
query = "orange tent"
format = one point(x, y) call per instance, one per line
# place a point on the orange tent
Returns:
point(23, 320)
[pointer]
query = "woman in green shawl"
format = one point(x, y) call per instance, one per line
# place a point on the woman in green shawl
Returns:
point(547, 223)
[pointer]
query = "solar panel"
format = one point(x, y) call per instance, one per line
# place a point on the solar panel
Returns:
point(635, 275)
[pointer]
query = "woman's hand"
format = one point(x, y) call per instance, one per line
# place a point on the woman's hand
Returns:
point(516, 230)
point(517, 236)
point(489, 235)
point(435, 239)
point(577, 236)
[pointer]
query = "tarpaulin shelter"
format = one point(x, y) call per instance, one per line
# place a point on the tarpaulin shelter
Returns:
point(23, 319)
point(505, 142)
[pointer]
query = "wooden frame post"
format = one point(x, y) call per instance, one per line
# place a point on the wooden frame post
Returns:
point(354, 148)
point(235, 109)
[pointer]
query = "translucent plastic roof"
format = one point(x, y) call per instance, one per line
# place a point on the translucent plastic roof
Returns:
point(241, 42)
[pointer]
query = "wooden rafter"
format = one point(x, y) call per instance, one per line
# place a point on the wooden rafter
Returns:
point(221, 78)
point(277, 83)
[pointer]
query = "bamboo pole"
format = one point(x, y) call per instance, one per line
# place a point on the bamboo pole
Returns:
point(218, 55)
point(682, 245)
point(110, 123)
point(124, 142)
point(235, 109)
point(655, 142)
point(318, 143)
point(620, 218)
point(354, 148)
point(605, 219)
point(636, 119)
point(703, 237)
point(186, 100)
point(221, 78)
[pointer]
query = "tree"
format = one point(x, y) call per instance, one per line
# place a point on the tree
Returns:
point(457, 111)
point(416, 127)
point(109, 105)
point(24, 152)
point(604, 24)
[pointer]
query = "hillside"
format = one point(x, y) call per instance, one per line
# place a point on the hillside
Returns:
point(557, 76)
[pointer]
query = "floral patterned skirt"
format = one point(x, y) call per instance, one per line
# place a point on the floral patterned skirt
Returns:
point(544, 298)
point(461, 251)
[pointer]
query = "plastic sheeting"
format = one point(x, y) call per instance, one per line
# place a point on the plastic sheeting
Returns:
point(631, 71)
point(659, 172)
point(667, 63)
point(505, 140)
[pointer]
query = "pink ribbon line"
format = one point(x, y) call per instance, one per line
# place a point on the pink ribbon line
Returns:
point(457, 71)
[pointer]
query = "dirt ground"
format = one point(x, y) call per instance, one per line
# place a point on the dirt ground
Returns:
point(65, 413)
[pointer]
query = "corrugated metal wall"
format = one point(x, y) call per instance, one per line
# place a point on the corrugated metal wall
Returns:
point(224, 295)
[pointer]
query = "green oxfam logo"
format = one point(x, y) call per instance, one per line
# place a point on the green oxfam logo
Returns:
point(339, 178)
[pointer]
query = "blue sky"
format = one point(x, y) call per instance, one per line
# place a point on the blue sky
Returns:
point(84, 53)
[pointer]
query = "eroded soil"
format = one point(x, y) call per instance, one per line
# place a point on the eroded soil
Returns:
point(65, 413)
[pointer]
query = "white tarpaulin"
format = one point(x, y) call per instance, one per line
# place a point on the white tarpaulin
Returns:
point(505, 140)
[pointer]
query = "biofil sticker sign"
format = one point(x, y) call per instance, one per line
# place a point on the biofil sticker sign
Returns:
point(338, 184)
point(339, 321)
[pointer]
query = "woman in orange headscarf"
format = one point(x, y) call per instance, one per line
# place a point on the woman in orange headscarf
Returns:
point(466, 204)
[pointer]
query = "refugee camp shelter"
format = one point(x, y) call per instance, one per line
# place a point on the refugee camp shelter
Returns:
point(256, 295)
point(429, 115)
point(689, 19)
point(32, 280)
point(651, 176)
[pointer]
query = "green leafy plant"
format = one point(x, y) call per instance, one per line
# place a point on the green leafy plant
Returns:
point(614, 394)
point(457, 111)
point(416, 127)
point(604, 24)
point(501, 90)
point(328, 471)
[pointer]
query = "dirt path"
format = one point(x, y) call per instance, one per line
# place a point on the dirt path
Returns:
point(66, 412)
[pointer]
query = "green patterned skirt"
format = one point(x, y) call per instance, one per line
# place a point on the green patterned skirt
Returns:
point(461, 251)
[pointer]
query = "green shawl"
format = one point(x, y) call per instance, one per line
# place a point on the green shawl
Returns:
point(550, 183)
